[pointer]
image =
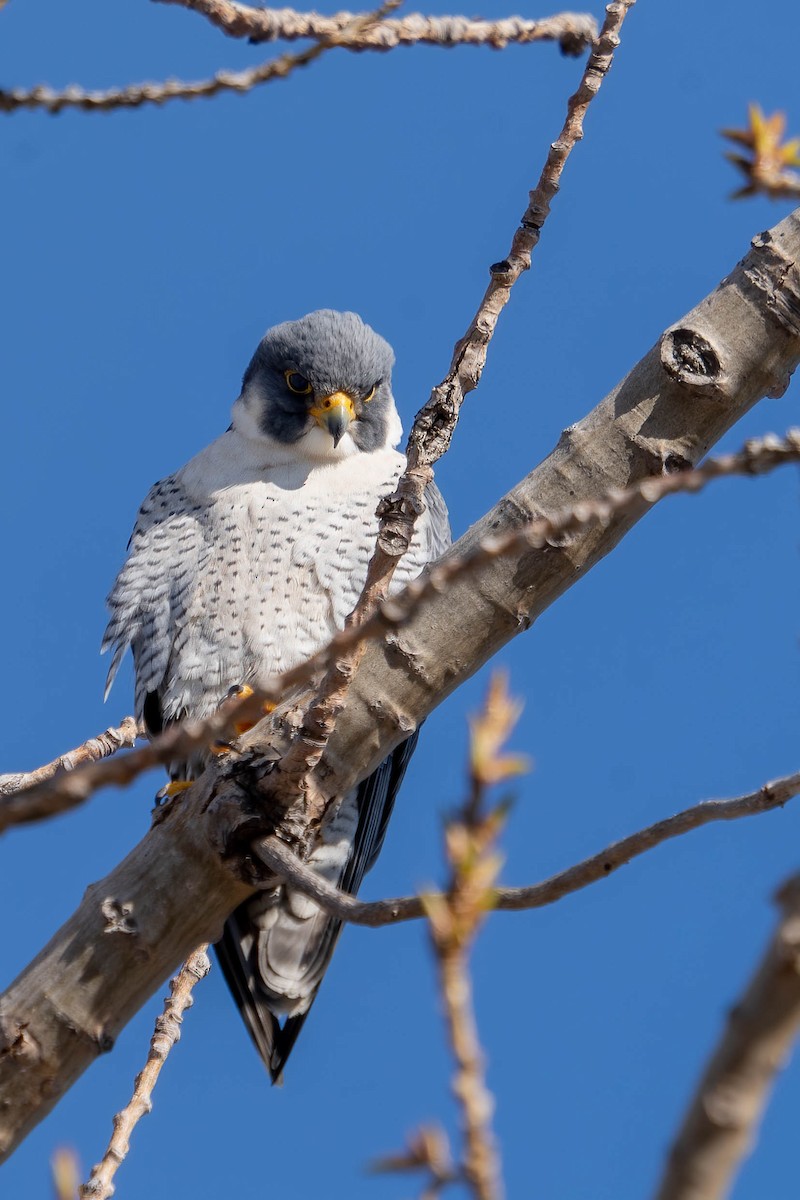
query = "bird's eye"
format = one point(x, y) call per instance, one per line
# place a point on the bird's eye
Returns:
point(297, 383)
point(370, 393)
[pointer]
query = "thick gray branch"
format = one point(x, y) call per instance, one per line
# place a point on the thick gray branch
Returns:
point(174, 892)
point(740, 344)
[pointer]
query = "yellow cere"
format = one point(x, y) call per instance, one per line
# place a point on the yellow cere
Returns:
point(327, 404)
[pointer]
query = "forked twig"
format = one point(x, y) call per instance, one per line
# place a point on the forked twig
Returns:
point(137, 94)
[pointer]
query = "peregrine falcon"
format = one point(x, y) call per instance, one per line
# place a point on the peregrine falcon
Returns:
point(242, 565)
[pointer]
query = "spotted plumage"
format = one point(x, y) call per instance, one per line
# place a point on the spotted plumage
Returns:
point(241, 565)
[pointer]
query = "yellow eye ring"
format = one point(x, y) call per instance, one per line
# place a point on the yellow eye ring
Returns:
point(297, 383)
point(370, 393)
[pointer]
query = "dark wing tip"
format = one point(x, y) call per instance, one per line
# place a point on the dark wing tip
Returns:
point(261, 1024)
point(273, 1040)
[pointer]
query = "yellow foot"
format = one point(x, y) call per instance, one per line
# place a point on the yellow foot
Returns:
point(241, 692)
point(168, 794)
point(175, 788)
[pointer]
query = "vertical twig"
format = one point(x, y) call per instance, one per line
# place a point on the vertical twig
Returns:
point(435, 423)
point(455, 918)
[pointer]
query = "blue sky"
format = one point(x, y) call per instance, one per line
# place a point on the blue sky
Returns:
point(144, 253)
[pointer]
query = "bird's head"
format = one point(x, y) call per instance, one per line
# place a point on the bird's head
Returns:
point(323, 385)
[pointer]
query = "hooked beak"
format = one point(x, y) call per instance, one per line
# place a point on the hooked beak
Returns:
point(334, 413)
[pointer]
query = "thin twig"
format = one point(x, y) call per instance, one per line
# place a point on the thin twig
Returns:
point(428, 1150)
point(482, 1165)
point(723, 1117)
point(137, 94)
point(573, 31)
point(375, 913)
point(454, 919)
point(435, 424)
point(18, 809)
point(167, 1032)
point(181, 741)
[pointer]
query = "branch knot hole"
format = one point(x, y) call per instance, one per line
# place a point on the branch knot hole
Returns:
point(691, 360)
point(118, 916)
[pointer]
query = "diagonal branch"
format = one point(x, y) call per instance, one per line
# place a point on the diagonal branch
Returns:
point(574, 32)
point(280, 861)
point(42, 795)
point(723, 1117)
point(189, 873)
point(435, 424)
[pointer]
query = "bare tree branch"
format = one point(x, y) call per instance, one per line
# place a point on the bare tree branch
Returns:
point(137, 94)
point(19, 803)
point(280, 860)
point(435, 424)
point(100, 1184)
point(723, 1117)
point(574, 32)
point(739, 344)
point(456, 916)
point(46, 795)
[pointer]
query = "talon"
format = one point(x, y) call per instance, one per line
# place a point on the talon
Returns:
point(241, 727)
point(240, 691)
point(175, 788)
point(221, 747)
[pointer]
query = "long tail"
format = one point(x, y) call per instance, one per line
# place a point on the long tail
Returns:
point(281, 935)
